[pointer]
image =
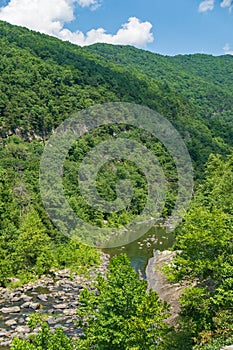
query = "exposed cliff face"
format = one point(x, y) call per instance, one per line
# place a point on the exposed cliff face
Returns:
point(157, 281)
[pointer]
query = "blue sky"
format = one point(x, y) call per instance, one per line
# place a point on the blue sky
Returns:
point(167, 27)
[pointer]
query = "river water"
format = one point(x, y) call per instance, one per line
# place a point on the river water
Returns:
point(141, 250)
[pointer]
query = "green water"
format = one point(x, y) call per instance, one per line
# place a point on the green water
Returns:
point(141, 250)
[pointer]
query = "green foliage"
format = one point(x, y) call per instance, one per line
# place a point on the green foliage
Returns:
point(45, 340)
point(77, 257)
point(29, 244)
point(202, 84)
point(43, 80)
point(207, 257)
point(114, 171)
point(201, 79)
point(121, 314)
point(33, 248)
point(36, 319)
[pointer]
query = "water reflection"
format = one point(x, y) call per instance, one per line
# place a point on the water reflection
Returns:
point(140, 251)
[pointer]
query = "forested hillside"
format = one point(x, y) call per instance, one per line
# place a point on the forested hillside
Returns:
point(42, 82)
point(205, 240)
point(56, 78)
point(204, 80)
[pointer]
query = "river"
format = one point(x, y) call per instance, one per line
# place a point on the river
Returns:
point(141, 250)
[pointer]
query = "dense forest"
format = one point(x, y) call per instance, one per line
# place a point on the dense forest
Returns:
point(42, 82)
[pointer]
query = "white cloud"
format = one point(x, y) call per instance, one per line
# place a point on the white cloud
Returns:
point(86, 3)
point(50, 16)
point(93, 4)
point(227, 50)
point(206, 5)
point(134, 32)
point(227, 3)
point(41, 15)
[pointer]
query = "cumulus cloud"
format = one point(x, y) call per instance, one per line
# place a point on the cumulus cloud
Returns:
point(93, 4)
point(49, 17)
point(227, 50)
point(206, 5)
point(227, 3)
point(134, 32)
point(41, 15)
point(86, 3)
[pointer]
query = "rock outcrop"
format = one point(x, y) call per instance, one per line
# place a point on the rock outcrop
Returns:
point(56, 295)
point(158, 282)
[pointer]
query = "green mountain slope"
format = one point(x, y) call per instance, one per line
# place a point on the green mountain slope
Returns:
point(63, 78)
point(44, 80)
point(205, 80)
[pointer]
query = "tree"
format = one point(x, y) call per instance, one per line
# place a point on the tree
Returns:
point(120, 314)
point(205, 258)
point(33, 252)
point(45, 340)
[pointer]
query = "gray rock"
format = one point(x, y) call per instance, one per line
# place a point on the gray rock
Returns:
point(69, 312)
point(10, 310)
point(3, 333)
point(11, 322)
point(60, 306)
point(21, 320)
point(51, 311)
point(34, 306)
point(25, 305)
point(51, 321)
point(69, 321)
point(22, 329)
point(35, 331)
point(26, 298)
point(42, 297)
point(16, 299)
point(60, 319)
point(157, 281)
point(59, 295)
point(5, 343)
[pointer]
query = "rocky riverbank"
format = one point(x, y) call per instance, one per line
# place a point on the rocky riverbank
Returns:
point(157, 281)
point(56, 295)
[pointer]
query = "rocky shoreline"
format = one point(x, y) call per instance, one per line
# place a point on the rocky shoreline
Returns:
point(169, 292)
point(56, 295)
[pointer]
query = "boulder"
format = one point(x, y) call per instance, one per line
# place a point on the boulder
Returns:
point(22, 329)
point(10, 323)
point(10, 310)
point(158, 282)
point(42, 297)
point(60, 306)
